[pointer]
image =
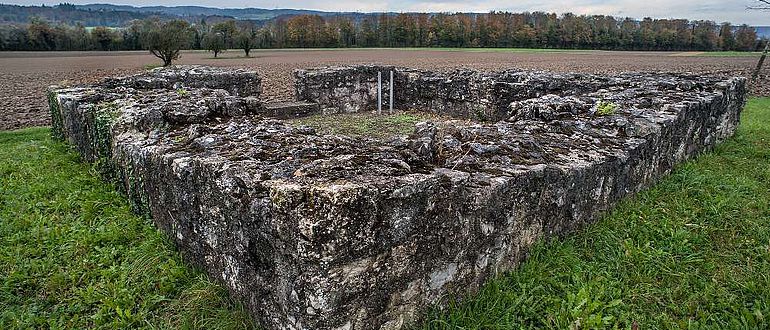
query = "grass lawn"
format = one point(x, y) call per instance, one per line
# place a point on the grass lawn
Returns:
point(586, 51)
point(691, 252)
point(487, 50)
point(502, 50)
point(366, 124)
point(72, 255)
point(730, 53)
point(450, 49)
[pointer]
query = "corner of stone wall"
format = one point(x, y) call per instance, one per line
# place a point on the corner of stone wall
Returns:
point(57, 122)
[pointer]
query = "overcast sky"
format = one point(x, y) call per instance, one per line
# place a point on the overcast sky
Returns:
point(717, 10)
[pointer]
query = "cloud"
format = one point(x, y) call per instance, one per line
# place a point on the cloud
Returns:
point(718, 10)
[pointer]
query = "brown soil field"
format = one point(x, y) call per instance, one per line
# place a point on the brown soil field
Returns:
point(24, 76)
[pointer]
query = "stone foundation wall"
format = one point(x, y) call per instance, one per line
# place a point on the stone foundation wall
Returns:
point(317, 231)
point(481, 96)
point(237, 82)
point(346, 89)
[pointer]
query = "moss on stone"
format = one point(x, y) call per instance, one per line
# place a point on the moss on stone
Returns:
point(105, 115)
point(57, 124)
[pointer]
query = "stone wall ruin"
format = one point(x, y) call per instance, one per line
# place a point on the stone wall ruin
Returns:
point(315, 231)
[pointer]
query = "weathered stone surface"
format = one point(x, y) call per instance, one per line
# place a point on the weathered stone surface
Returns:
point(482, 96)
point(287, 110)
point(326, 231)
point(345, 89)
point(237, 82)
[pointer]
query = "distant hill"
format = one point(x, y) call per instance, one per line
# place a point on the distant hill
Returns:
point(257, 14)
point(69, 14)
point(119, 15)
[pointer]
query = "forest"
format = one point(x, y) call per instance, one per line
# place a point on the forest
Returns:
point(494, 29)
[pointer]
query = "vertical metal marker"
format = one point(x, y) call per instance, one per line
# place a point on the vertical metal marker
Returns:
point(379, 92)
point(391, 92)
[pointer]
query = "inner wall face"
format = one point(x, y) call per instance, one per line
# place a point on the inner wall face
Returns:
point(461, 94)
point(321, 231)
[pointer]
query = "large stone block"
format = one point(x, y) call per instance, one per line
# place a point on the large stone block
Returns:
point(237, 82)
point(317, 231)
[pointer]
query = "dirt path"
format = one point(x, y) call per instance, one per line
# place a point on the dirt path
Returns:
point(24, 76)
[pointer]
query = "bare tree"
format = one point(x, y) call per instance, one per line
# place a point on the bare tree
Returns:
point(761, 61)
point(763, 5)
point(166, 39)
point(246, 41)
point(214, 42)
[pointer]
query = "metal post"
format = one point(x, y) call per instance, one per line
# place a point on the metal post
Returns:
point(379, 92)
point(391, 92)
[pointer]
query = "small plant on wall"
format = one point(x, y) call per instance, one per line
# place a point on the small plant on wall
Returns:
point(606, 108)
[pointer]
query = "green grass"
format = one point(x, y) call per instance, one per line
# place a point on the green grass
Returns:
point(485, 49)
point(730, 53)
point(72, 255)
point(365, 123)
point(578, 51)
point(502, 50)
point(450, 49)
point(691, 252)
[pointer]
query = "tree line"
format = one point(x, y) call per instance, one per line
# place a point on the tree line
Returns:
point(495, 29)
